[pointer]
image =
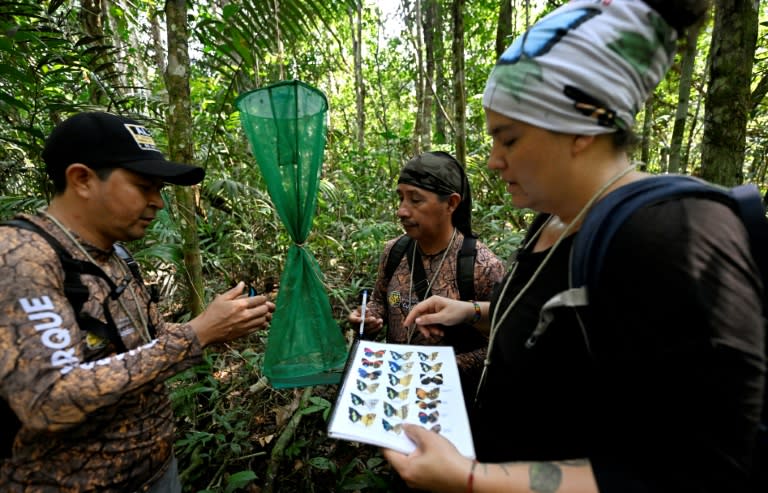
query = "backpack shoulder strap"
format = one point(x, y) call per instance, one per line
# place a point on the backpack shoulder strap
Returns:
point(607, 216)
point(395, 255)
point(76, 292)
point(465, 268)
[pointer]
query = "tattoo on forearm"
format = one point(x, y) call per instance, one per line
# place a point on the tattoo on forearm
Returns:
point(545, 477)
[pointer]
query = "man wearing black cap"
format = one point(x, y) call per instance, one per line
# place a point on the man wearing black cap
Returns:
point(84, 356)
point(436, 213)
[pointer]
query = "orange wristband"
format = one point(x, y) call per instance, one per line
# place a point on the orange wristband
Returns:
point(471, 478)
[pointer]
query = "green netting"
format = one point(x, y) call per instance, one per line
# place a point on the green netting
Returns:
point(286, 126)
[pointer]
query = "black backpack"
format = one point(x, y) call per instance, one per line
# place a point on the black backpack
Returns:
point(607, 216)
point(465, 266)
point(77, 294)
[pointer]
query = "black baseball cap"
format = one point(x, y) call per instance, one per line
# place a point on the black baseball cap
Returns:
point(104, 140)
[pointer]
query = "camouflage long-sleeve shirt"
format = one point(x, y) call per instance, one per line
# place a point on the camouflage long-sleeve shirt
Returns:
point(91, 419)
point(390, 301)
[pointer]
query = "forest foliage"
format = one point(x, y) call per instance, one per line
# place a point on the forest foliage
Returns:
point(390, 70)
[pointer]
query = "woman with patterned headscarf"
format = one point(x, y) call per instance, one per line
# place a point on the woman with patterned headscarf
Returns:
point(661, 391)
point(436, 213)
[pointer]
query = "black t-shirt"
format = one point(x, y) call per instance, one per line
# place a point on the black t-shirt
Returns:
point(670, 396)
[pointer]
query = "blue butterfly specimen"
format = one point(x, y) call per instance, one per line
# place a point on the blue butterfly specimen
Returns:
point(396, 368)
point(368, 387)
point(390, 427)
point(403, 356)
point(374, 375)
point(428, 394)
point(359, 401)
point(436, 379)
point(390, 410)
point(367, 419)
point(404, 380)
point(375, 363)
point(428, 405)
point(545, 34)
point(430, 357)
point(376, 354)
point(397, 394)
point(436, 367)
point(428, 418)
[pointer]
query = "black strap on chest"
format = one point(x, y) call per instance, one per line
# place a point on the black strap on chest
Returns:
point(465, 266)
point(77, 293)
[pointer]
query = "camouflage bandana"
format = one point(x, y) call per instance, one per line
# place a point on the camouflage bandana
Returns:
point(441, 173)
point(586, 68)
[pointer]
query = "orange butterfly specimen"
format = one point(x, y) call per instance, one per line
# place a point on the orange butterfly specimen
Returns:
point(390, 427)
point(427, 394)
point(366, 419)
point(368, 387)
point(427, 405)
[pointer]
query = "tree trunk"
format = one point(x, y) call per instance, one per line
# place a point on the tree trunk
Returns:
point(442, 88)
point(728, 98)
point(429, 12)
point(180, 143)
point(418, 127)
point(357, 42)
point(504, 28)
point(681, 114)
point(645, 146)
point(459, 89)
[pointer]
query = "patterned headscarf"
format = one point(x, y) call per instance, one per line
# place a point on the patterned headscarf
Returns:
point(586, 68)
point(441, 173)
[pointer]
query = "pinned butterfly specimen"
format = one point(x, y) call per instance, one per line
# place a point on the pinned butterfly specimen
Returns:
point(428, 418)
point(428, 357)
point(395, 394)
point(368, 387)
point(359, 401)
point(403, 356)
point(375, 364)
point(431, 394)
point(436, 379)
point(390, 427)
point(366, 419)
point(376, 354)
point(374, 375)
point(435, 367)
point(390, 410)
point(397, 368)
point(428, 405)
point(436, 428)
point(395, 380)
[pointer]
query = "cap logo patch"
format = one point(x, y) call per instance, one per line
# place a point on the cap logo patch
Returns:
point(142, 136)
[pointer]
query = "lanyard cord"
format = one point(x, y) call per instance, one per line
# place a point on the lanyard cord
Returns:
point(141, 328)
point(496, 321)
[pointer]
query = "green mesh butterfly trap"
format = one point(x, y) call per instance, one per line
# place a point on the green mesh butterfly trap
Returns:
point(285, 124)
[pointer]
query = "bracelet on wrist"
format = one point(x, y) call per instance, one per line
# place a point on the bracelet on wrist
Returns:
point(471, 478)
point(477, 314)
